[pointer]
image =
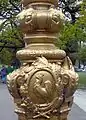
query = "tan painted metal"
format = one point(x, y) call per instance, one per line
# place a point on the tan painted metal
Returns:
point(44, 85)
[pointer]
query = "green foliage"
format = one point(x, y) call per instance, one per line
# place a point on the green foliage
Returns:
point(9, 30)
point(13, 35)
point(5, 56)
point(82, 54)
point(71, 33)
point(67, 34)
point(74, 32)
point(8, 10)
point(11, 39)
point(10, 34)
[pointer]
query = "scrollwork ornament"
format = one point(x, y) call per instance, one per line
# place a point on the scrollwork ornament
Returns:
point(39, 87)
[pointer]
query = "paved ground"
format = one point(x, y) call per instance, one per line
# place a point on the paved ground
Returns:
point(7, 107)
point(77, 113)
point(80, 98)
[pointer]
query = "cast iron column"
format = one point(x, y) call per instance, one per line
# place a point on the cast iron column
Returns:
point(44, 85)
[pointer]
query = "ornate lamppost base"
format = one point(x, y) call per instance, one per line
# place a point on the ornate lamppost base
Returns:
point(43, 86)
point(43, 90)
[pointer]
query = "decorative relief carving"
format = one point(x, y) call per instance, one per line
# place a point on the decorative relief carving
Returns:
point(42, 89)
point(40, 20)
point(39, 88)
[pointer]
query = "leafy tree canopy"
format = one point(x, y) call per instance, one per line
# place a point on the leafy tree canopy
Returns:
point(82, 55)
point(74, 32)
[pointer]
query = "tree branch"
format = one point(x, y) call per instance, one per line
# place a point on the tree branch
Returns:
point(17, 8)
